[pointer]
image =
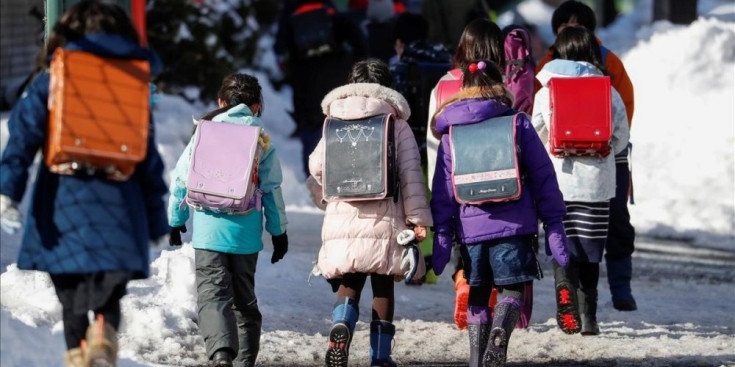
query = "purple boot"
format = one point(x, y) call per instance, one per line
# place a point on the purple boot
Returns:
point(507, 313)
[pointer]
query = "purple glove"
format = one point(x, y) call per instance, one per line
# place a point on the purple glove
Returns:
point(556, 243)
point(442, 252)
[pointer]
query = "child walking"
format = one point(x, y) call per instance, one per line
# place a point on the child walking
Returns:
point(227, 245)
point(91, 234)
point(621, 234)
point(588, 183)
point(495, 238)
point(360, 237)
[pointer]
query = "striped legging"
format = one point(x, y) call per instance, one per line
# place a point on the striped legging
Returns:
point(586, 227)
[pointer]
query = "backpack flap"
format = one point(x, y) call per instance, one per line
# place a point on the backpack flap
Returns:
point(223, 173)
point(484, 161)
point(99, 114)
point(359, 159)
point(581, 116)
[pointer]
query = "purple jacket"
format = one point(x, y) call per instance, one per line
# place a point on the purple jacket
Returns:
point(540, 195)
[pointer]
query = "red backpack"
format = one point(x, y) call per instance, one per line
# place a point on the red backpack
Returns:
point(448, 87)
point(581, 116)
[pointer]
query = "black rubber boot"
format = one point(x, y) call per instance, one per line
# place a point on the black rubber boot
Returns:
point(565, 291)
point(479, 335)
point(507, 313)
point(588, 311)
point(222, 358)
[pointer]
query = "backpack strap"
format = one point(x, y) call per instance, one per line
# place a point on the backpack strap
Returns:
point(604, 51)
point(455, 73)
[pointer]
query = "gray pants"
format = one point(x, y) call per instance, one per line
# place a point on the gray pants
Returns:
point(228, 309)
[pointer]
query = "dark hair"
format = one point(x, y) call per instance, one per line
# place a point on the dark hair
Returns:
point(578, 44)
point(237, 88)
point(487, 76)
point(87, 17)
point(371, 71)
point(487, 80)
point(480, 40)
point(410, 27)
point(572, 8)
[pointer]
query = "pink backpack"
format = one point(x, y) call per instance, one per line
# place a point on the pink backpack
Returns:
point(448, 87)
point(223, 174)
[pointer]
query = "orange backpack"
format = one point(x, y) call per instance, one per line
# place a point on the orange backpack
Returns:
point(99, 114)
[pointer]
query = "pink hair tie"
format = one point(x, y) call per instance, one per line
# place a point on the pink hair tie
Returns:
point(481, 65)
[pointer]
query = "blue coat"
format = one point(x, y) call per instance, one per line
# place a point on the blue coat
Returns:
point(80, 224)
point(236, 234)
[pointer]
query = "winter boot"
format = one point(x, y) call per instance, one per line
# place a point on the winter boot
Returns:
point(344, 318)
point(100, 345)
point(74, 358)
point(478, 325)
point(567, 307)
point(507, 313)
point(619, 273)
point(222, 358)
point(588, 311)
point(381, 343)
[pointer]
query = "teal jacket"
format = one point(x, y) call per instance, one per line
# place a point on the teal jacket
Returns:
point(235, 234)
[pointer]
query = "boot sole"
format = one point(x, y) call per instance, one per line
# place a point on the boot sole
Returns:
point(567, 309)
point(460, 306)
point(339, 338)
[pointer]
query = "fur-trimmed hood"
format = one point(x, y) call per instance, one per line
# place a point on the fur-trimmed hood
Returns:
point(358, 100)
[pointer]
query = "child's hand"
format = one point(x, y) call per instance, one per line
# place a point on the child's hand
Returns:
point(442, 252)
point(10, 217)
point(420, 233)
point(556, 243)
point(174, 237)
point(280, 247)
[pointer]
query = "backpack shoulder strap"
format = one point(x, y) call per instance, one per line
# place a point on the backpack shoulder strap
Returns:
point(604, 51)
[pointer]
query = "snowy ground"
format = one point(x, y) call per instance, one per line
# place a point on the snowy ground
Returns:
point(684, 174)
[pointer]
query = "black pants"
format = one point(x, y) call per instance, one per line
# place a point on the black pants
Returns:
point(80, 293)
point(620, 233)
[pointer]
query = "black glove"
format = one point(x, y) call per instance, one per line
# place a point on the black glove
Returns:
point(174, 237)
point(280, 247)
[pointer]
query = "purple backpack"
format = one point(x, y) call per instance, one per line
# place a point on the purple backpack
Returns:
point(519, 66)
point(223, 174)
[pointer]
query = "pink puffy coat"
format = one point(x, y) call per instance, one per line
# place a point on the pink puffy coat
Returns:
point(360, 236)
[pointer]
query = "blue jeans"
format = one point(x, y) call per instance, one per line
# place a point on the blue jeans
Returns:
point(502, 261)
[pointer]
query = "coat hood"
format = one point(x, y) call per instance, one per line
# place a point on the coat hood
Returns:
point(469, 111)
point(565, 68)
point(240, 115)
point(358, 100)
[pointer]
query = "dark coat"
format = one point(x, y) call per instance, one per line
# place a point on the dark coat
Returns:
point(312, 78)
point(82, 224)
